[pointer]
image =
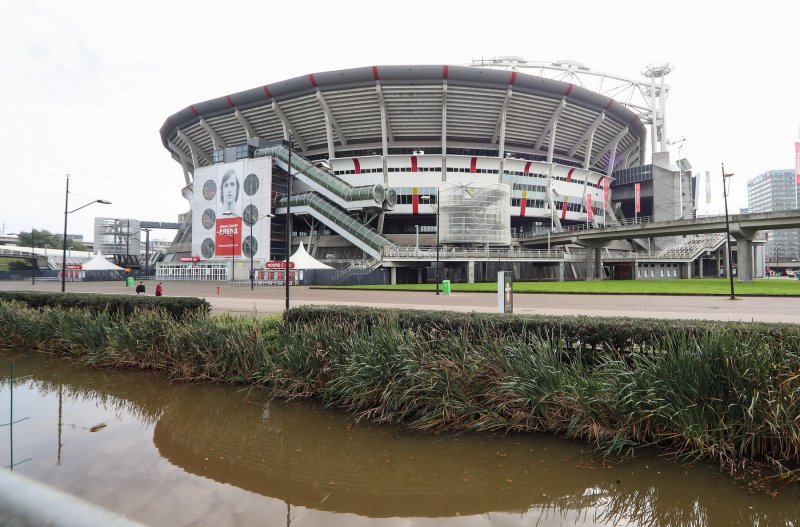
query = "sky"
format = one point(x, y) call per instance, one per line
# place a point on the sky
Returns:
point(86, 85)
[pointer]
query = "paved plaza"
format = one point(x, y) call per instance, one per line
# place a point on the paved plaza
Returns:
point(224, 296)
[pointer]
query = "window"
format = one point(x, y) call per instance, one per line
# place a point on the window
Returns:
point(217, 156)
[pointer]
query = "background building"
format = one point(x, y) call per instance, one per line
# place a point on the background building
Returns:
point(772, 191)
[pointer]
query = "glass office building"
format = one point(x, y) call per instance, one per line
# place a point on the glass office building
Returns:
point(773, 191)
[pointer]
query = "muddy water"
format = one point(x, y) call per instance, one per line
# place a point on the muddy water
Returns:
point(177, 454)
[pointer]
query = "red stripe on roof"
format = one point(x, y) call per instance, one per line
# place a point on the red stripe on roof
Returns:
point(473, 164)
point(444, 72)
point(375, 73)
point(513, 78)
point(313, 80)
point(194, 110)
point(569, 89)
point(413, 163)
point(569, 174)
point(527, 167)
point(230, 101)
point(357, 166)
point(610, 102)
point(267, 92)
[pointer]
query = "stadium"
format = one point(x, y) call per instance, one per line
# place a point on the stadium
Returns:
point(419, 170)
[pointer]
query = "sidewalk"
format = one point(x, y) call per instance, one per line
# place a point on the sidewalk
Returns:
point(224, 296)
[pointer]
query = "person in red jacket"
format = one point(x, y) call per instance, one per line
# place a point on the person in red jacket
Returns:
point(159, 289)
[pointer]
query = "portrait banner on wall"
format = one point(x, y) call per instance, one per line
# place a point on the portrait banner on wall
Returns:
point(637, 192)
point(228, 237)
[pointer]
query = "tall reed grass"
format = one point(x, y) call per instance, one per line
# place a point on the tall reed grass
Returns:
point(730, 392)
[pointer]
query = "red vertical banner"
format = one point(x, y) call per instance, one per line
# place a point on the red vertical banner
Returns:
point(637, 193)
point(589, 210)
point(473, 165)
point(415, 200)
point(413, 163)
point(523, 203)
point(229, 237)
point(356, 166)
point(797, 163)
point(564, 208)
point(606, 185)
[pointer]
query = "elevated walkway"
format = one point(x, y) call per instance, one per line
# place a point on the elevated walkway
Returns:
point(362, 236)
point(691, 247)
point(328, 185)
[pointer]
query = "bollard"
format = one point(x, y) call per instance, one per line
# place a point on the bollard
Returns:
point(217, 290)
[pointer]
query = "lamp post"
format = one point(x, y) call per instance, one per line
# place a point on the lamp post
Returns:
point(436, 210)
point(727, 227)
point(67, 212)
point(146, 252)
point(288, 217)
point(33, 254)
point(251, 222)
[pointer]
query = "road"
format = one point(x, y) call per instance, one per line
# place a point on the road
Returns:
point(224, 296)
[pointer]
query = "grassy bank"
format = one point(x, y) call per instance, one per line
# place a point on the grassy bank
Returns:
point(729, 392)
point(706, 286)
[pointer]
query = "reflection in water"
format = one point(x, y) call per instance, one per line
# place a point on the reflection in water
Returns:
point(313, 459)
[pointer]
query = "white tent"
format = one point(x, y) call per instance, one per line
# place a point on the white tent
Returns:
point(99, 263)
point(302, 260)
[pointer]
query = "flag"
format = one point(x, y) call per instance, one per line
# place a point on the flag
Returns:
point(606, 184)
point(415, 200)
point(523, 203)
point(797, 163)
point(589, 210)
point(637, 192)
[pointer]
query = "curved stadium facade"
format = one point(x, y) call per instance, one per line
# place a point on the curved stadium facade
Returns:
point(379, 154)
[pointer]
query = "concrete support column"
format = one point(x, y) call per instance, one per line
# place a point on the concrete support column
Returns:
point(718, 260)
point(700, 267)
point(471, 272)
point(560, 271)
point(598, 263)
point(419, 275)
point(393, 275)
point(588, 265)
point(688, 269)
point(635, 270)
point(744, 251)
point(725, 263)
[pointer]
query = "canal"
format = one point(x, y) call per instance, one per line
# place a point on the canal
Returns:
point(195, 454)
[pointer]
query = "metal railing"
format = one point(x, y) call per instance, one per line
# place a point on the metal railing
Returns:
point(584, 227)
point(413, 252)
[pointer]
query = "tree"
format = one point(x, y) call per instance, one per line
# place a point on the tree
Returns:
point(44, 237)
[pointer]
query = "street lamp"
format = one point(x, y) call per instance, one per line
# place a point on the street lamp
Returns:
point(436, 210)
point(146, 252)
point(251, 222)
point(727, 227)
point(288, 217)
point(67, 212)
point(33, 253)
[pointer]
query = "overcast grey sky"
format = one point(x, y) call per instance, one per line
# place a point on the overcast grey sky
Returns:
point(86, 85)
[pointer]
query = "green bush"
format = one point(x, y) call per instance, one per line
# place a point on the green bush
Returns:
point(175, 307)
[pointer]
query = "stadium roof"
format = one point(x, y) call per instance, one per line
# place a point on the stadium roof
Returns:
point(473, 107)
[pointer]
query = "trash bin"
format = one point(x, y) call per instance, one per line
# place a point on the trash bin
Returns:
point(129, 282)
point(446, 287)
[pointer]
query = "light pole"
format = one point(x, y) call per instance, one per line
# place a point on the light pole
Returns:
point(252, 252)
point(146, 252)
point(67, 212)
point(288, 217)
point(33, 253)
point(436, 210)
point(727, 227)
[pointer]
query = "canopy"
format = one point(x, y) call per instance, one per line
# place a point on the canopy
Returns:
point(99, 263)
point(303, 260)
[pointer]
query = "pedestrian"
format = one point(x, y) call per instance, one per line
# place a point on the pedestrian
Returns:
point(159, 289)
point(140, 288)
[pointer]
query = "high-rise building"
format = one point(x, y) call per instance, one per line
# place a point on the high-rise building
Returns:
point(773, 191)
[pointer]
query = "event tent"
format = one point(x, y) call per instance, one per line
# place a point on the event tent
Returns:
point(302, 260)
point(99, 263)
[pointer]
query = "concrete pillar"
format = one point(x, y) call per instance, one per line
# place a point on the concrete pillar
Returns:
point(419, 275)
point(700, 267)
point(393, 275)
point(724, 273)
point(744, 251)
point(635, 270)
point(471, 272)
point(588, 264)
point(560, 271)
point(598, 263)
point(688, 270)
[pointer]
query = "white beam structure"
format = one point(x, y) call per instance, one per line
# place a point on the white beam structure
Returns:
point(551, 127)
point(194, 149)
point(183, 160)
point(248, 128)
point(588, 135)
point(611, 146)
point(287, 126)
point(216, 140)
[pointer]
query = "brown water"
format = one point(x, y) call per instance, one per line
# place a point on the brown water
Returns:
point(179, 454)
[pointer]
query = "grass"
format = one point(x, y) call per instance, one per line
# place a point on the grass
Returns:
point(706, 286)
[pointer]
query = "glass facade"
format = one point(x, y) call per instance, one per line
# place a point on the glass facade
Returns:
point(775, 191)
